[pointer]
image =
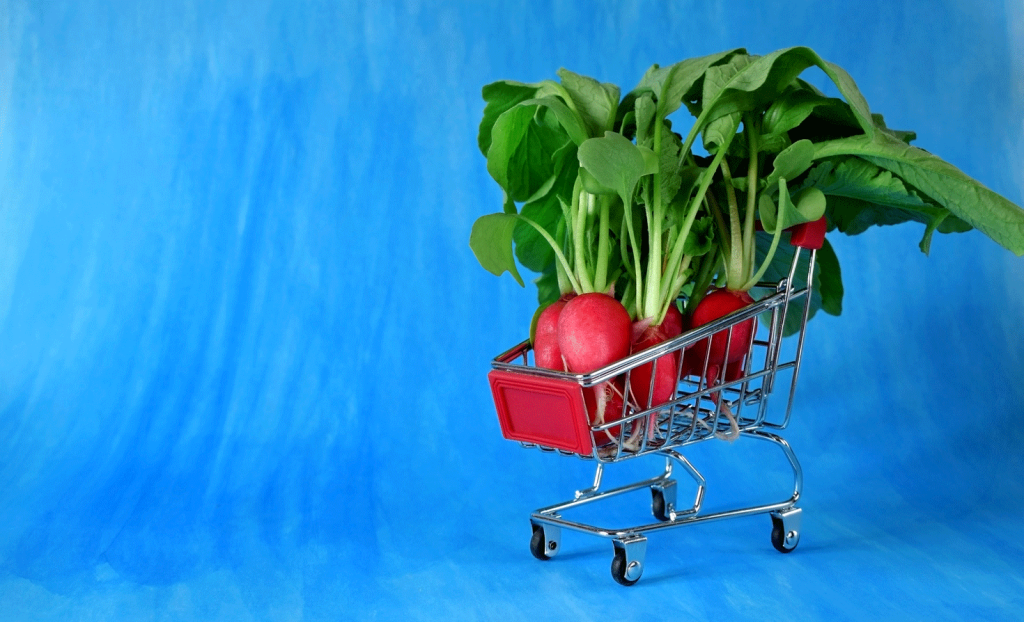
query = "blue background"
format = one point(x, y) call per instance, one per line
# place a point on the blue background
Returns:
point(243, 341)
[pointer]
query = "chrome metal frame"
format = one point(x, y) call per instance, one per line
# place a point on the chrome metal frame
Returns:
point(697, 413)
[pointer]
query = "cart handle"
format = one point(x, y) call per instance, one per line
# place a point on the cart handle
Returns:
point(809, 235)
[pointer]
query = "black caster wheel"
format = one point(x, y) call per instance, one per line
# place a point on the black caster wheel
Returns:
point(625, 573)
point(658, 507)
point(783, 540)
point(539, 545)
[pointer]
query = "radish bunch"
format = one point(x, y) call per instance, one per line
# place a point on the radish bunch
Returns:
point(610, 206)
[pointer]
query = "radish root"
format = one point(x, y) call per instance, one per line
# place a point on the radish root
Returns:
point(734, 428)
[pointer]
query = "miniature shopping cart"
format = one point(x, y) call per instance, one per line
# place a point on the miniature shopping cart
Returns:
point(550, 411)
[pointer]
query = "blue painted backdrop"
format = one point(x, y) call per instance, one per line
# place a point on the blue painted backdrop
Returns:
point(243, 340)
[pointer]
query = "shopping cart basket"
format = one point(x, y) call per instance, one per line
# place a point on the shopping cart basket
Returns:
point(549, 410)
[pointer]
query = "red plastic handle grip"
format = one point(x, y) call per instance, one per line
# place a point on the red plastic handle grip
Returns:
point(809, 235)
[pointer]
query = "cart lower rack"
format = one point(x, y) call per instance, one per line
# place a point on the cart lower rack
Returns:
point(555, 412)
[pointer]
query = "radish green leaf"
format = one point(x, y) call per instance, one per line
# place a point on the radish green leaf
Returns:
point(940, 181)
point(491, 241)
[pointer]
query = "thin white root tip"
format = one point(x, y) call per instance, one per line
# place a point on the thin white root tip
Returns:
point(734, 428)
point(602, 404)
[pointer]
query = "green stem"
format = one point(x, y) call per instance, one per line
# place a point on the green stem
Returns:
point(603, 247)
point(716, 213)
point(654, 223)
point(624, 243)
point(669, 276)
point(705, 182)
point(579, 239)
point(627, 266)
point(674, 282)
point(771, 250)
point(629, 303)
point(752, 182)
point(554, 246)
point(734, 268)
point(705, 273)
point(637, 272)
point(767, 260)
point(564, 285)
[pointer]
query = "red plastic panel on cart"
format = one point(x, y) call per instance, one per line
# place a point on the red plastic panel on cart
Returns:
point(545, 411)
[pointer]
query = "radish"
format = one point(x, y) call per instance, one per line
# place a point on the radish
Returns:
point(733, 372)
point(594, 330)
point(663, 369)
point(546, 352)
point(672, 325)
point(611, 395)
point(715, 305)
point(665, 379)
point(545, 342)
point(667, 365)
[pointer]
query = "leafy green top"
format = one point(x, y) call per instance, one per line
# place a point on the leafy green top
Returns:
point(601, 194)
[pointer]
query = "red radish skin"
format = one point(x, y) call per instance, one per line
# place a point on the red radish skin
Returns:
point(548, 355)
point(665, 378)
point(717, 304)
point(693, 364)
point(672, 325)
point(545, 341)
point(610, 394)
point(735, 370)
point(594, 330)
point(545, 338)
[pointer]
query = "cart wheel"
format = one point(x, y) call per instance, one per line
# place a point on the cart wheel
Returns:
point(784, 541)
point(623, 573)
point(541, 548)
point(663, 500)
point(658, 504)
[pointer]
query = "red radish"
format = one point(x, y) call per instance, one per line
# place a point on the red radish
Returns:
point(723, 302)
point(665, 378)
point(734, 371)
point(672, 325)
point(594, 330)
point(610, 394)
point(545, 341)
point(715, 305)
